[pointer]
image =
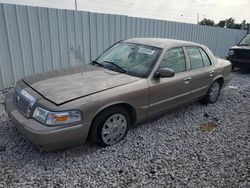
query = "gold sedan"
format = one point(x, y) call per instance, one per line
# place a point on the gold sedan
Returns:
point(130, 82)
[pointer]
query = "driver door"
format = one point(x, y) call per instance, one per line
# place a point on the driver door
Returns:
point(169, 92)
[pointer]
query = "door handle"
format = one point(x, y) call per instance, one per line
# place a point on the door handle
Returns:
point(187, 78)
point(211, 73)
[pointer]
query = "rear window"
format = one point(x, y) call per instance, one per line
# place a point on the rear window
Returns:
point(195, 57)
point(205, 58)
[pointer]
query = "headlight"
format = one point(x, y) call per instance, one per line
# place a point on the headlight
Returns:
point(231, 52)
point(56, 118)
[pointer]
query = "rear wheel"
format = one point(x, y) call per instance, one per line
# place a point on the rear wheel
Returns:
point(110, 126)
point(213, 93)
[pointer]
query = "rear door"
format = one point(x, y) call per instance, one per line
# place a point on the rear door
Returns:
point(169, 92)
point(201, 70)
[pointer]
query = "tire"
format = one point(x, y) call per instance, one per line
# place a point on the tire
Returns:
point(213, 93)
point(233, 68)
point(104, 131)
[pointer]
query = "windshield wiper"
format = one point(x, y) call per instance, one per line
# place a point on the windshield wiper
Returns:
point(123, 70)
point(99, 64)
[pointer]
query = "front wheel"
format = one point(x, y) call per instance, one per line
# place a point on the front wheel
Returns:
point(213, 93)
point(110, 126)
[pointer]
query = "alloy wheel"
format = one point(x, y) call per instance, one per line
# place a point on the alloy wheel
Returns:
point(214, 91)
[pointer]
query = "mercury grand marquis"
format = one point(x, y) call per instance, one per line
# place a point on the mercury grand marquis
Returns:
point(133, 80)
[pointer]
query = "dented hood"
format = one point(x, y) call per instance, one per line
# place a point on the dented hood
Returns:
point(65, 85)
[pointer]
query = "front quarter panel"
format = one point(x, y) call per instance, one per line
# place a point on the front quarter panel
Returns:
point(134, 94)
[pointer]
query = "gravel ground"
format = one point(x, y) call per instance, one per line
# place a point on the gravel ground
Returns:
point(175, 150)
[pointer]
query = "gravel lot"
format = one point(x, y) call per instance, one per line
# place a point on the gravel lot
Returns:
point(171, 151)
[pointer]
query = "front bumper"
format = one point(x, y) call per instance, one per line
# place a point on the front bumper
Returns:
point(244, 63)
point(48, 138)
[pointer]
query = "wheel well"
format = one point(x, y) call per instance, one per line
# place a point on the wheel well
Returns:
point(221, 81)
point(130, 109)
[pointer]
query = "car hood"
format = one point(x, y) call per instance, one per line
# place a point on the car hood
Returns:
point(240, 47)
point(65, 85)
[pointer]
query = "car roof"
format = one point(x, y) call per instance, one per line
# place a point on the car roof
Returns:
point(159, 42)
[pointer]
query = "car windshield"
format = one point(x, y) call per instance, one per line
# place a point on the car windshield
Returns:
point(245, 41)
point(133, 59)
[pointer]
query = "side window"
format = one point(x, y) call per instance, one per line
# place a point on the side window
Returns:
point(205, 58)
point(195, 57)
point(174, 59)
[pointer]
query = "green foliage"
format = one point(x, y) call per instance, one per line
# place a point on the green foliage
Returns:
point(227, 23)
point(207, 22)
point(222, 23)
point(230, 23)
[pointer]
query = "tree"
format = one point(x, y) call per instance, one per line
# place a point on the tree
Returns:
point(206, 21)
point(237, 26)
point(230, 23)
point(222, 23)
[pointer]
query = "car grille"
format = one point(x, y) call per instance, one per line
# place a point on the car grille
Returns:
point(23, 104)
point(242, 54)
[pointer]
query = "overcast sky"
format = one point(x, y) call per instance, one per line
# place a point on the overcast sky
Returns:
point(173, 10)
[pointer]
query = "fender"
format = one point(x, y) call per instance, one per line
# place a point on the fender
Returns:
point(217, 77)
point(113, 104)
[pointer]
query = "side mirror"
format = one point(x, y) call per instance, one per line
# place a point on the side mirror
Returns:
point(164, 73)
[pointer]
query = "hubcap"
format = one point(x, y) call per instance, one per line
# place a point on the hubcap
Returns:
point(214, 91)
point(114, 129)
